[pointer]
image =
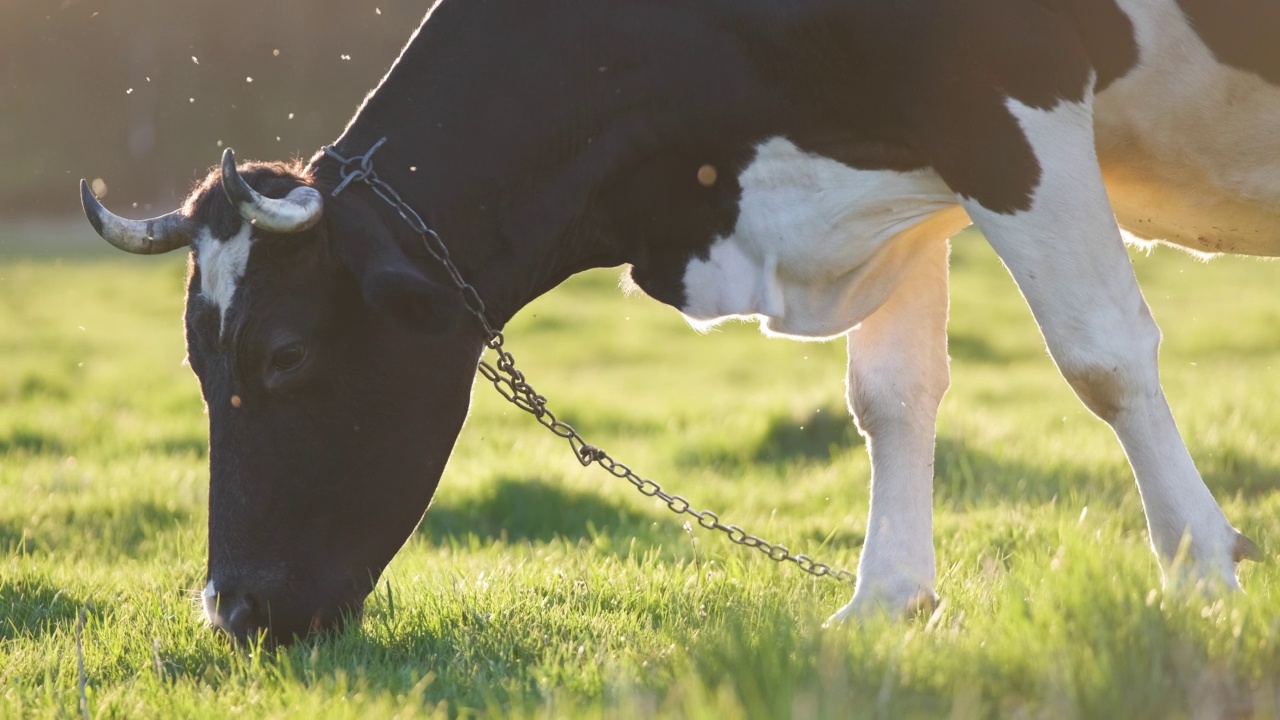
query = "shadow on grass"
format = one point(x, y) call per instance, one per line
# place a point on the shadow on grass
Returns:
point(30, 441)
point(818, 436)
point(42, 387)
point(183, 445)
point(1229, 471)
point(125, 530)
point(962, 346)
point(966, 477)
point(31, 606)
point(533, 510)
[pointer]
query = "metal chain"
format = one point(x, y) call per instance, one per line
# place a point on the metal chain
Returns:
point(512, 385)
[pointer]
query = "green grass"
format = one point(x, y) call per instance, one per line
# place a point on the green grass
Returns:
point(538, 588)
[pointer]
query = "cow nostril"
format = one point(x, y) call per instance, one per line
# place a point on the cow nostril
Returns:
point(243, 616)
point(238, 614)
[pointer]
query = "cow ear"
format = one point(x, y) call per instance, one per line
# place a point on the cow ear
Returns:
point(392, 284)
point(403, 293)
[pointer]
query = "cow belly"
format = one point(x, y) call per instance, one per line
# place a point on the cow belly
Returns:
point(818, 245)
point(1182, 210)
point(1189, 146)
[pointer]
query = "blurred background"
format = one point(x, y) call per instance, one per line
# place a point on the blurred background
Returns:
point(143, 94)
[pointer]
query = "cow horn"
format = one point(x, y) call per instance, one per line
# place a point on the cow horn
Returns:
point(296, 212)
point(140, 237)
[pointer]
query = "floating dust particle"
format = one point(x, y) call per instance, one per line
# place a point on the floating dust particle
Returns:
point(707, 175)
point(235, 401)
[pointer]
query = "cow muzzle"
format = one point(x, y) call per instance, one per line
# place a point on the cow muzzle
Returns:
point(249, 611)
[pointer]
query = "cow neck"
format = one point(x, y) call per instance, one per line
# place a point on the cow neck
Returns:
point(511, 253)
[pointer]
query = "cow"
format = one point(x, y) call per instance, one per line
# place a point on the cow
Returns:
point(802, 164)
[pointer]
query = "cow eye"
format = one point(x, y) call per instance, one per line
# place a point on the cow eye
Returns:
point(288, 357)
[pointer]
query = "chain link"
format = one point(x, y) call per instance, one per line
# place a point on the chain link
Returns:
point(512, 385)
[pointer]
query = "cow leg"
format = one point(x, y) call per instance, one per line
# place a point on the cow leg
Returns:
point(1066, 254)
point(898, 373)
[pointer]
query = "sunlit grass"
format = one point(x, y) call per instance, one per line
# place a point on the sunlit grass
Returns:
point(539, 588)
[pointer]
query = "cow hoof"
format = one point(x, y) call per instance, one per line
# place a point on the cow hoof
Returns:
point(866, 605)
point(1211, 570)
point(1246, 549)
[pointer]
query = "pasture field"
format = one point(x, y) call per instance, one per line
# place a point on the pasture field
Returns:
point(537, 588)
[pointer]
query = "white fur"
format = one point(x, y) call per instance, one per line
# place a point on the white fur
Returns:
point(898, 373)
point(818, 245)
point(210, 600)
point(222, 264)
point(1189, 148)
point(1069, 261)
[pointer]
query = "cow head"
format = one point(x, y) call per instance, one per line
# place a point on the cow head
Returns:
point(336, 369)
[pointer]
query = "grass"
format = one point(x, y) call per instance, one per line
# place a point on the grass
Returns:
point(538, 588)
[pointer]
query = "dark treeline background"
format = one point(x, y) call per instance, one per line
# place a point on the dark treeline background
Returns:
point(108, 89)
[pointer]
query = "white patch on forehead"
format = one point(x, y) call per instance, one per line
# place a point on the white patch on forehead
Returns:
point(222, 264)
point(818, 245)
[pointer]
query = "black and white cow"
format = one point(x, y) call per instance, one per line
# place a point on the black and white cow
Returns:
point(846, 141)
